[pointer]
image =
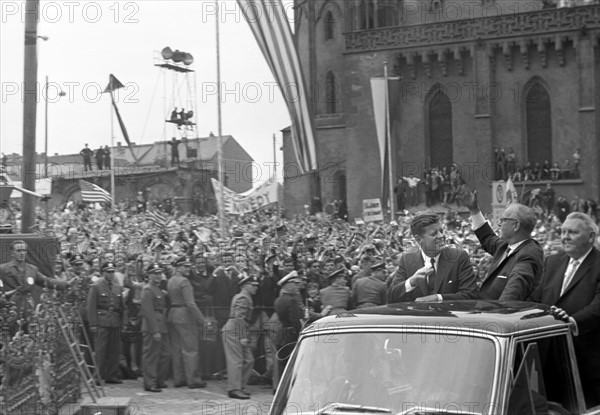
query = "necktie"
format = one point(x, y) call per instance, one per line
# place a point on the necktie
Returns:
point(569, 275)
point(431, 278)
point(506, 254)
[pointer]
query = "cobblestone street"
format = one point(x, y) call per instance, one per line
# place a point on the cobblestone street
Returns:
point(212, 400)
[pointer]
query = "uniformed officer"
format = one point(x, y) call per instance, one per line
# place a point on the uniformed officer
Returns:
point(155, 361)
point(18, 278)
point(290, 311)
point(185, 319)
point(337, 295)
point(237, 339)
point(105, 313)
point(371, 291)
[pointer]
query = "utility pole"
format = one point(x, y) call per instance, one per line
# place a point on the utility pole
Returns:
point(29, 113)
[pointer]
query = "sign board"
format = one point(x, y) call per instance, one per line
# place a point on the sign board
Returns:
point(372, 210)
point(499, 193)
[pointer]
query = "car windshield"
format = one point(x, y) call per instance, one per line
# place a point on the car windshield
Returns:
point(395, 371)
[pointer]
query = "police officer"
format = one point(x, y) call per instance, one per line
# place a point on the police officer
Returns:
point(371, 291)
point(291, 313)
point(155, 361)
point(337, 295)
point(237, 339)
point(184, 320)
point(105, 314)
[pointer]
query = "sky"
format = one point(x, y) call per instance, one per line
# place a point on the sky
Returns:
point(88, 40)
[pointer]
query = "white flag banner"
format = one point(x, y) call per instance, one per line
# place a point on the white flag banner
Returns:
point(384, 98)
point(250, 201)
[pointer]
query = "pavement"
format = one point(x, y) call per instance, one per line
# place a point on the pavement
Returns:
point(212, 400)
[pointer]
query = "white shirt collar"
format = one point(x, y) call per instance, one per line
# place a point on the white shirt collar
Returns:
point(427, 259)
point(514, 246)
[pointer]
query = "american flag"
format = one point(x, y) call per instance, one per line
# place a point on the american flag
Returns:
point(93, 193)
point(157, 218)
point(269, 23)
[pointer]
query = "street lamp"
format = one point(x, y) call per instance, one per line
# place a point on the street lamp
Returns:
point(60, 94)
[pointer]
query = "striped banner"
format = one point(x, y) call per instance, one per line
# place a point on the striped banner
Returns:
point(157, 218)
point(91, 192)
point(271, 28)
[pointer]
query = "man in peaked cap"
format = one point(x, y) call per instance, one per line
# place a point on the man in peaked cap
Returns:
point(337, 295)
point(372, 290)
point(237, 339)
point(185, 319)
point(290, 311)
point(105, 313)
point(155, 362)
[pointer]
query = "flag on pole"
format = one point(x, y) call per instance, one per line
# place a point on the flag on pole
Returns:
point(113, 85)
point(383, 104)
point(91, 192)
point(157, 218)
point(269, 23)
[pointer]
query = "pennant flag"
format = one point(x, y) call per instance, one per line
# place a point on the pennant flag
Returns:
point(113, 85)
point(383, 96)
point(269, 23)
point(157, 218)
point(91, 192)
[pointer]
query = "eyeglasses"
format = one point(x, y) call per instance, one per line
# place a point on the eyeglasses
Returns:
point(502, 220)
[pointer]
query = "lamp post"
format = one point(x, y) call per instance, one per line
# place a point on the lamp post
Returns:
point(60, 94)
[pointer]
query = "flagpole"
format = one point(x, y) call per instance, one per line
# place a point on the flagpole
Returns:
point(219, 130)
point(274, 159)
point(112, 154)
point(389, 142)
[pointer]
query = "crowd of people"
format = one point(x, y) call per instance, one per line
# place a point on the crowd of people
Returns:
point(439, 186)
point(181, 300)
point(506, 165)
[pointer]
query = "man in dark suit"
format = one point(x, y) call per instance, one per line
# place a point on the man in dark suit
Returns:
point(434, 272)
point(571, 281)
point(517, 261)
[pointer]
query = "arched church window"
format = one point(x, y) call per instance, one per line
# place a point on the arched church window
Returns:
point(331, 94)
point(329, 25)
point(440, 129)
point(538, 122)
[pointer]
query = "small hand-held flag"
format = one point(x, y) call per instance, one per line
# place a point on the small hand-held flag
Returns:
point(157, 218)
point(91, 192)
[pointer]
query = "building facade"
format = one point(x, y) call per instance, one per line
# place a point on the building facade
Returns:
point(475, 77)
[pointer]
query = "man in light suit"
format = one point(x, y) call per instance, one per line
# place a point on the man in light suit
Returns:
point(184, 321)
point(434, 272)
point(571, 281)
point(516, 266)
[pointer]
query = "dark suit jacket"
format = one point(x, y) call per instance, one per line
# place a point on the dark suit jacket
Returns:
point(223, 288)
point(581, 300)
point(522, 269)
point(454, 279)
